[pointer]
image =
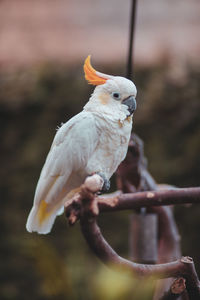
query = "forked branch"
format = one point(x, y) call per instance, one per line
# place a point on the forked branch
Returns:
point(86, 206)
point(135, 200)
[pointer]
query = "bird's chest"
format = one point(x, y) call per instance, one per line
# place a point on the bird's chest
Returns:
point(114, 138)
point(112, 146)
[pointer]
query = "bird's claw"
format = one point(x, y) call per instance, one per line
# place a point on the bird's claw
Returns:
point(106, 183)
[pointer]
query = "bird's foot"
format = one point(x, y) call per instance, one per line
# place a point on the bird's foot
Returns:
point(106, 183)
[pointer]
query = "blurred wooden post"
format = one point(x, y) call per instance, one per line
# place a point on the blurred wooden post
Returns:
point(143, 238)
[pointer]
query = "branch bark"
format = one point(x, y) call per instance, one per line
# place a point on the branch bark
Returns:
point(136, 200)
point(150, 198)
point(133, 176)
point(88, 211)
point(176, 289)
point(182, 267)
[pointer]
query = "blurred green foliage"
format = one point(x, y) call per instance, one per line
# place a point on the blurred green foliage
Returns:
point(32, 104)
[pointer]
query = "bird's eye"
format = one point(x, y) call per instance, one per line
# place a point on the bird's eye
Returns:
point(116, 96)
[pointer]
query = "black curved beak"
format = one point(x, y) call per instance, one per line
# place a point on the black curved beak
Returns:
point(131, 103)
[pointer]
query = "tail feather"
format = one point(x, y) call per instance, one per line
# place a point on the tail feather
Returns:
point(42, 216)
point(41, 220)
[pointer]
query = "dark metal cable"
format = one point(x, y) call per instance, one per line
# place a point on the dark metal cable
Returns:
point(130, 61)
point(131, 39)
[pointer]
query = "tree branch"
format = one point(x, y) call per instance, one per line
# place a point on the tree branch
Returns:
point(88, 211)
point(176, 289)
point(182, 267)
point(136, 200)
point(150, 198)
point(132, 176)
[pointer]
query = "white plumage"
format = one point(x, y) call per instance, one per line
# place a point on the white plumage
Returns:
point(94, 141)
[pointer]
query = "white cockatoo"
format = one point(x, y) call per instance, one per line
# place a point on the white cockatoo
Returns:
point(95, 141)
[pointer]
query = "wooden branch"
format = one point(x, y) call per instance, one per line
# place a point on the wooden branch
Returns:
point(168, 235)
point(168, 249)
point(88, 211)
point(182, 267)
point(150, 198)
point(136, 200)
point(133, 176)
point(176, 289)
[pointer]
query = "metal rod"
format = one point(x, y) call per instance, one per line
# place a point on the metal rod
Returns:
point(131, 39)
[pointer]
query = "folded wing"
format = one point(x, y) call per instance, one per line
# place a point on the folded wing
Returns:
point(73, 145)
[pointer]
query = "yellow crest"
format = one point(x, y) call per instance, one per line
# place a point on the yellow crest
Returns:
point(91, 75)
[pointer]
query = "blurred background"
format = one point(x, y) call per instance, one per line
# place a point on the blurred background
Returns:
point(43, 44)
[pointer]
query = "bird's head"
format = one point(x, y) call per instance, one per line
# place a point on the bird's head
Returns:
point(113, 94)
